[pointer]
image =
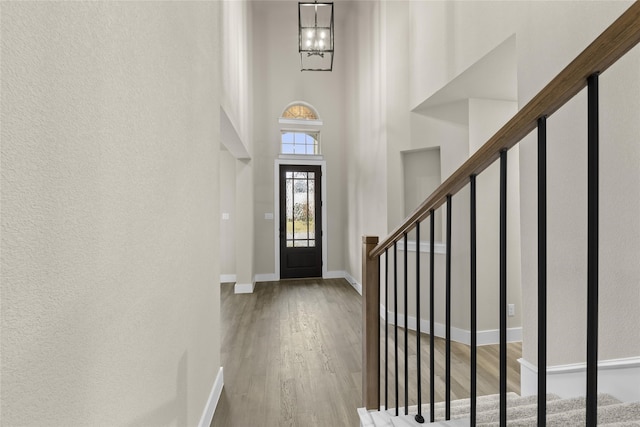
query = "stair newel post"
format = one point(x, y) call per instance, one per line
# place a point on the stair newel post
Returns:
point(370, 324)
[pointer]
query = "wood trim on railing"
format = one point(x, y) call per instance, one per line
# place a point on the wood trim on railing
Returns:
point(611, 45)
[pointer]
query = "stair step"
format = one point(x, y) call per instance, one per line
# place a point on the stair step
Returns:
point(460, 408)
point(403, 421)
point(513, 401)
point(409, 421)
point(564, 412)
point(365, 418)
point(380, 419)
point(521, 412)
point(616, 415)
point(623, 424)
point(456, 405)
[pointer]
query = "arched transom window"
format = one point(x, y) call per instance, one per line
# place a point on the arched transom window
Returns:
point(300, 129)
point(299, 111)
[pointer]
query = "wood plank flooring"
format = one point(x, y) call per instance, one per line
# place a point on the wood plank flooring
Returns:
point(291, 353)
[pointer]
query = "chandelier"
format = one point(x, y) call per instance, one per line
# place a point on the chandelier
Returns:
point(315, 36)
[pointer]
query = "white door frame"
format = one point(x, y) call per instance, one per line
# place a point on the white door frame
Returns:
point(291, 160)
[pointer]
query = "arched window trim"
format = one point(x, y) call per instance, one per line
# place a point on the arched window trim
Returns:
point(300, 122)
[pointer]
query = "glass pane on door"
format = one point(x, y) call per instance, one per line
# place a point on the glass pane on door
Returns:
point(300, 208)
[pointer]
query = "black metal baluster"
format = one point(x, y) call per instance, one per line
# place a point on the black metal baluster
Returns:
point(379, 268)
point(406, 326)
point(592, 251)
point(474, 324)
point(395, 314)
point(503, 288)
point(432, 360)
point(386, 329)
point(448, 316)
point(419, 418)
point(542, 271)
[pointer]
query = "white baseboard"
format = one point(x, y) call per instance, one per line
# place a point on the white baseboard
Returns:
point(272, 277)
point(353, 282)
point(269, 277)
point(485, 337)
point(227, 278)
point(212, 403)
point(244, 288)
point(337, 274)
point(618, 377)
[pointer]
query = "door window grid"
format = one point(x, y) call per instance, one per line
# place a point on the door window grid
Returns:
point(300, 209)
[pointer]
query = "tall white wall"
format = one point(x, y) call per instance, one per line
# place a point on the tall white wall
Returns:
point(278, 81)
point(236, 32)
point(365, 130)
point(237, 94)
point(110, 136)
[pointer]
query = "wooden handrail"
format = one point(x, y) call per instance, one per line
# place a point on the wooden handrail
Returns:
point(611, 45)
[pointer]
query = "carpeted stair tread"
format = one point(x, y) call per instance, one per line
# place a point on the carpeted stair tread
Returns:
point(514, 401)
point(521, 412)
point(565, 412)
point(623, 424)
point(616, 415)
point(460, 408)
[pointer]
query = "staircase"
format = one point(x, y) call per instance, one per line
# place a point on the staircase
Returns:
point(504, 409)
point(521, 413)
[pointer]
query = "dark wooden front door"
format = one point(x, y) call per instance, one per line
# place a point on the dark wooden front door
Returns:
point(300, 222)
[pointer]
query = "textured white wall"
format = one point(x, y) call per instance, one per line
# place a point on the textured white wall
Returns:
point(486, 117)
point(110, 297)
point(619, 190)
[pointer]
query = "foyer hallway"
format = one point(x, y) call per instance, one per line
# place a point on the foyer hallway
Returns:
point(291, 353)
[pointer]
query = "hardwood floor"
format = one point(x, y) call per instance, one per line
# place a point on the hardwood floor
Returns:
point(291, 353)
point(487, 369)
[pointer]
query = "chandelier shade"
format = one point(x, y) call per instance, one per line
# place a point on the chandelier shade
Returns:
point(315, 36)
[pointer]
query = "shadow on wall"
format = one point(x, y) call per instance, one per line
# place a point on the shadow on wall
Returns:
point(173, 412)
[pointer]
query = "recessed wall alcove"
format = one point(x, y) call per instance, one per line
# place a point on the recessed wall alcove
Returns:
point(451, 124)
